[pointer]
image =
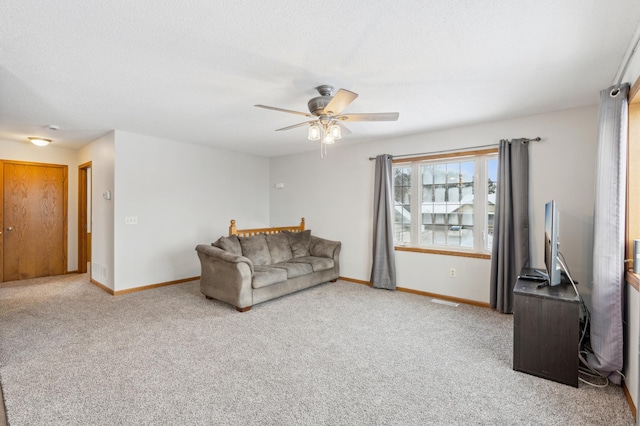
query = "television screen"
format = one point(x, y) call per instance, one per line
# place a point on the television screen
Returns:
point(551, 242)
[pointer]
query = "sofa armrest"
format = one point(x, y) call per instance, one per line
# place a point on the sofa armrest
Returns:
point(225, 276)
point(225, 256)
point(324, 248)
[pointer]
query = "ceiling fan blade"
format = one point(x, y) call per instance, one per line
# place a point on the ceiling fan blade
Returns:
point(374, 116)
point(340, 101)
point(306, 114)
point(296, 125)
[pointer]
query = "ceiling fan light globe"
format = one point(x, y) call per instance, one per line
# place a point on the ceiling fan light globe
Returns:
point(314, 132)
point(328, 139)
point(335, 131)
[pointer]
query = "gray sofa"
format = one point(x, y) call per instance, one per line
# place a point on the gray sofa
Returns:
point(244, 271)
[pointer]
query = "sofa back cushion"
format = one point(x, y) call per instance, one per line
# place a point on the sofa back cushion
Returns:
point(279, 247)
point(256, 249)
point(300, 242)
point(230, 244)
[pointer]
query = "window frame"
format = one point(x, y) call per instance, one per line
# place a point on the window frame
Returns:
point(633, 182)
point(481, 225)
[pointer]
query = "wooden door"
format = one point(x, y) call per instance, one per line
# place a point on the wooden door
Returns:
point(35, 220)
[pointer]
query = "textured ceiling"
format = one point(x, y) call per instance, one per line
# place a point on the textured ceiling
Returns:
point(192, 70)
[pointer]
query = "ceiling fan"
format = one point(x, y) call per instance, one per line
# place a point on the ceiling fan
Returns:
point(326, 112)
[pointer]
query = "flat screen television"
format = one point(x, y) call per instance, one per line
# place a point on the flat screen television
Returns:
point(551, 242)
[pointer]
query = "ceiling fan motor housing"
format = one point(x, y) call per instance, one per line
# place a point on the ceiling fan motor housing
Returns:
point(317, 104)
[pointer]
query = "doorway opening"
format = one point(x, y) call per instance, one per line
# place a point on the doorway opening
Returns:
point(84, 217)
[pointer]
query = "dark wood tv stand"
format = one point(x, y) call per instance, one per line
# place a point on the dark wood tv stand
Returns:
point(546, 330)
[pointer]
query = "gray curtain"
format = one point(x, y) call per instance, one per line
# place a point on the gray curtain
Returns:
point(511, 222)
point(383, 270)
point(609, 234)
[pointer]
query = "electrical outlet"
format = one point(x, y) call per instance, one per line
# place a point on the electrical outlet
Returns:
point(452, 272)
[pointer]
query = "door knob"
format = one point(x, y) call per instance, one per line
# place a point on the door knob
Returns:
point(10, 228)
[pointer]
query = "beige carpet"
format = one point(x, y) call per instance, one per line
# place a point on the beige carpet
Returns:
point(336, 354)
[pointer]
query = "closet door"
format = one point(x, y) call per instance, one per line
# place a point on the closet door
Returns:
point(34, 220)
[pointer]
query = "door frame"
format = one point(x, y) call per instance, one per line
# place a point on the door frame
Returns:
point(2, 221)
point(83, 201)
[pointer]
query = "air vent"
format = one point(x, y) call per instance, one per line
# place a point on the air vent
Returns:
point(445, 302)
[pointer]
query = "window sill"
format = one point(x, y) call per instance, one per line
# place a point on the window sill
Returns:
point(443, 252)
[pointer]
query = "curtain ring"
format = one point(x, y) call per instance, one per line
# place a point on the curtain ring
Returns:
point(615, 92)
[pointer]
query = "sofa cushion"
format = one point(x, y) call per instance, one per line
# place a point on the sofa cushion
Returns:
point(300, 242)
point(294, 269)
point(279, 247)
point(266, 275)
point(230, 244)
point(323, 248)
point(256, 249)
point(317, 263)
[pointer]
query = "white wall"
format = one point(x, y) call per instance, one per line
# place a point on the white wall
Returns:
point(182, 195)
point(102, 156)
point(18, 151)
point(335, 195)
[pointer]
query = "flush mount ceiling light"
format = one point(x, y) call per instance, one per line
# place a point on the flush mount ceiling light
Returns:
point(40, 141)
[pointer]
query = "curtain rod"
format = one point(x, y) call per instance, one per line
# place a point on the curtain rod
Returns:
point(622, 69)
point(538, 139)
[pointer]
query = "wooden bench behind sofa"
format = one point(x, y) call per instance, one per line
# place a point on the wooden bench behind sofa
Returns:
point(254, 231)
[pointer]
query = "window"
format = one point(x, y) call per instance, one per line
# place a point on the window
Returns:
point(436, 201)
